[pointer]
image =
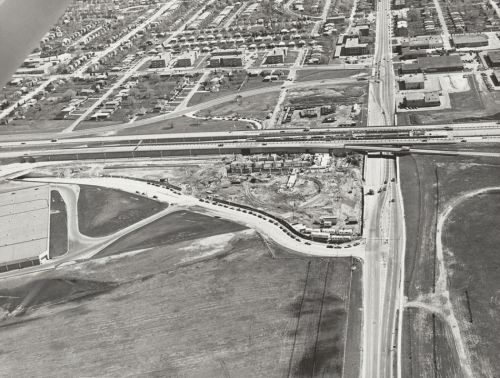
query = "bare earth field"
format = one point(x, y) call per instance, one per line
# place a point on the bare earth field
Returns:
point(219, 306)
point(430, 185)
point(103, 211)
point(58, 240)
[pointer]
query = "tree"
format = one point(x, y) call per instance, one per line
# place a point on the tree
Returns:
point(69, 95)
point(154, 78)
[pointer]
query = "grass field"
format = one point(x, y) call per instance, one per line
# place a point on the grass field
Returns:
point(257, 106)
point(430, 184)
point(472, 247)
point(58, 243)
point(186, 125)
point(176, 227)
point(319, 74)
point(201, 97)
point(236, 313)
point(103, 211)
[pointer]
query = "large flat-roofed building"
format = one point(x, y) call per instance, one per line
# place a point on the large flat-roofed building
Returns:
point(421, 100)
point(353, 47)
point(187, 59)
point(24, 227)
point(493, 58)
point(427, 42)
point(227, 52)
point(227, 61)
point(161, 60)
point(276, 56)
point(444, 63)
point(414, 82)
point(470, 40)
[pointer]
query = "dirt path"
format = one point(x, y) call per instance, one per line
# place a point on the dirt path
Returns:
point(439, 302)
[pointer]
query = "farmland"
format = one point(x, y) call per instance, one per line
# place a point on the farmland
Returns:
point(105, 211)
point(430, 184)
point(58, 225)
point(219, 306)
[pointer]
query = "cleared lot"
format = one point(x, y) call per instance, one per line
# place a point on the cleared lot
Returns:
point(430, 184)
point(103, 211)
point(237, 312)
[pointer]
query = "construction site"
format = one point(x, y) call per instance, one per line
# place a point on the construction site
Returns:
point(319, 195)
point(344, 105)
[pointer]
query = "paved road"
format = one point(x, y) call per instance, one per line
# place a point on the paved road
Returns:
point(384, 226)
point(382, 101)
point(175, 114)
point(92, 246)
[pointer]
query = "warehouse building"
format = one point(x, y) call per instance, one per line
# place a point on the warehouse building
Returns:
point(24, 227)
point(444, 63)
point(470, 40)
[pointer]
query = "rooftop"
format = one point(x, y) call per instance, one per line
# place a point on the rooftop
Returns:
point(470, 38)
point(447, 61)
point(24, 223)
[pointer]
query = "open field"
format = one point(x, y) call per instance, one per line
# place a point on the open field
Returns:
point(471, 241)
point(257, 106)
point(176, 227)
point(429, 185)
point(235, 312)
point(103, 211)
point(200, 97)
point(418, 184)
point(319, 74)
point(58, 241)
point(186, 125)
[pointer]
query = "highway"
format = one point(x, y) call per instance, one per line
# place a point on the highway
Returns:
point(384, 225)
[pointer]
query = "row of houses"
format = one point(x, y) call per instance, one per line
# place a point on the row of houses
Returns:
point(221, 17)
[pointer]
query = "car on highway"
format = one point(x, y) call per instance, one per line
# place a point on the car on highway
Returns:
point(307, 243)
point(329, 246)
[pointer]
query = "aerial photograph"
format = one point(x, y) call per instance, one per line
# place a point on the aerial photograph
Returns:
point(250, 189)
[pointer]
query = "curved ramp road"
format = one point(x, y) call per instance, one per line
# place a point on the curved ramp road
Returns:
point(87, 247)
